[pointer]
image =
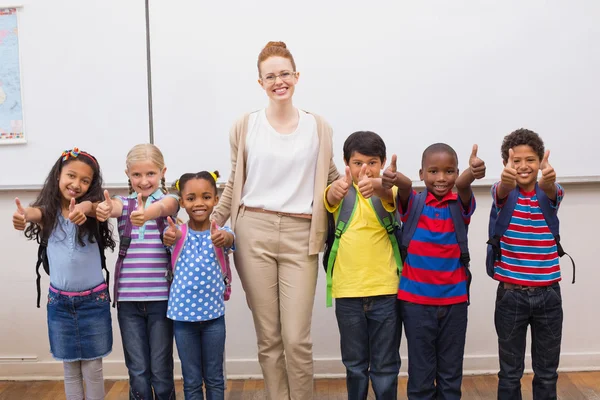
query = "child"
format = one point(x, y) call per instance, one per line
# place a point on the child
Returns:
point(528, 269)
point(365, 274)
point(433, 288)
point(196, 301)
point(79, 322)
point(142, 273)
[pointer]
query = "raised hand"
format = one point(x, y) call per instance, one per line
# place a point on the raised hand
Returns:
point(339, 189)
point(548, 179)
point(104, 209)
point(217, 236)
point(76, 216)
point(388, 179)
point(138, 217)
point(365, 186)
point(509, 174)
point(171, 233)
point(19, 219)
point(476, 164)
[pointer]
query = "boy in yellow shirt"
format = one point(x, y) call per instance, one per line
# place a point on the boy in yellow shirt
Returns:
point(365, 276)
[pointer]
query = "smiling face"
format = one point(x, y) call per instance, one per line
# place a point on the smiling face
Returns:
point(75, 180)
point(356, 162)
point(278, 78)
point(439, 172)
point(145, 177)
point(527, 163)
point(198, 198)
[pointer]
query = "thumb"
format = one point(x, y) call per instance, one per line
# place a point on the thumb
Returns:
point(140, 202)
point(363, 172)
point(20, 208)
point(544, 163)
point(474, 151)
point(106, 196)
point(72, 205)
point(171, 223)
point(348, 176)
point(393, 164)
point(511, 156)
point(213, 227)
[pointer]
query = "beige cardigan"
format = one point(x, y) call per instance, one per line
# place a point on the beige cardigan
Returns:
point(326, 172)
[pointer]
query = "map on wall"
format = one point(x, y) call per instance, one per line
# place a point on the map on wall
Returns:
point(11, 108)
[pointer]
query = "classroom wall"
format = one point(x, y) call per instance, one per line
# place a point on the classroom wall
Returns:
point(24, 349)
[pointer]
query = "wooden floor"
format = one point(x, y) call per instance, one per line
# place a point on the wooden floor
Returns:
point(571, 386)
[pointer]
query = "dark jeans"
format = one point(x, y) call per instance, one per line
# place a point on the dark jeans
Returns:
point(201, 346)
point(370, 332)
point(435, 336)
point(515, 310)
point(147, 336)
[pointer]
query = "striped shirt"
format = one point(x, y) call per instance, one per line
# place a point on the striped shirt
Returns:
point(142, 276)
point(432, 273)
point(529, 255)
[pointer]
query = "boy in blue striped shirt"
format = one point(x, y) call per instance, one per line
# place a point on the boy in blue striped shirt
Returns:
point(528, 269)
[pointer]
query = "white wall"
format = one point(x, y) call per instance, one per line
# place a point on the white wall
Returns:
point(24, 344)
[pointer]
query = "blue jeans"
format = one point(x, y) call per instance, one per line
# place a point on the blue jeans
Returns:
point(147, 336)
point(370, 332)
point(435, 336)
point(516, 309)
point(201, 346)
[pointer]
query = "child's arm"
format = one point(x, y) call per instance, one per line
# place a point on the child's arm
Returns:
point(339, 189)
point(392, 177)
point(172, 234)
point(162, 208)
point(548, 180)
point(78, 213)
point(24, 215)
point(476, 170)
point(109, 208)
point(219, 237)
point(386, 195)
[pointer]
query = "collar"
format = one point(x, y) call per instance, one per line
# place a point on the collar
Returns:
point(155, 196)
point(431, 199)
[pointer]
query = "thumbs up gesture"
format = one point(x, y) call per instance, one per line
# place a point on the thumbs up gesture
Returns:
point(365, 186)
point(218, 237)
point(339, 189)
point(138, 217)
point(548, 179)
point(476, 164)
point(76, 215)
point(19, 219)
point(509, 174)
point(104, 209)
point(172, 233)
point(388, 179)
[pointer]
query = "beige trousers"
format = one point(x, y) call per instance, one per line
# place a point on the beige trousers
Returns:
point(279, 278)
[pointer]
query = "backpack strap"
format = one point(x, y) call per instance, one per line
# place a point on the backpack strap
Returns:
point(347, 208)
point(410, 226)
point(161, 226)
point(553, 223)
point(503, 218)
point(124, 243)
point(461, 230)
point(41, 260)
point(223, 260)
point(390, 224)
point(178, 247)
point(101, 247)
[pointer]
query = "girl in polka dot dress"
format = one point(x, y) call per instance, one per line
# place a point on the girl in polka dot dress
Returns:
point(196, 303)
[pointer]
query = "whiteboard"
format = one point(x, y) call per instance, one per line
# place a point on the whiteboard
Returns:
point(416, 72)
point(83, 67)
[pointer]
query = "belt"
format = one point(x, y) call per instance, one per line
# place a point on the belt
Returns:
point(84, 293)
point(512, 286)
point(278, 213)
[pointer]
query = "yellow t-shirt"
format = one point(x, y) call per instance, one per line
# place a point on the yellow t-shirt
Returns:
point(365, 263)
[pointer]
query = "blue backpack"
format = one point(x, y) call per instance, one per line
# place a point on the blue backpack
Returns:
point(460, 228)
point(499, 224)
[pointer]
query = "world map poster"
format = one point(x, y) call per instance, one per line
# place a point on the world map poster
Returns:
point(11, 109)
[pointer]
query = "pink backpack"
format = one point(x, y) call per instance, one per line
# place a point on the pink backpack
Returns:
point(221, 256)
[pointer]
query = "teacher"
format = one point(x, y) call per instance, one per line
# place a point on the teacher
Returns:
point(281, 163)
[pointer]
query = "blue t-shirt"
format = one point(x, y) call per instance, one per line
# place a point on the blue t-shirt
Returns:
point(197, 288)
point(73, 267)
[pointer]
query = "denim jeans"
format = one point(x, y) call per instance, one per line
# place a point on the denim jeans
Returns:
point(435, 336)
point(201, 346)
point(147, 336)
point(515, 310)
point(370, 332)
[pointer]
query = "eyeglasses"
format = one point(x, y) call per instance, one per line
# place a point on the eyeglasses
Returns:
point(285, 76)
